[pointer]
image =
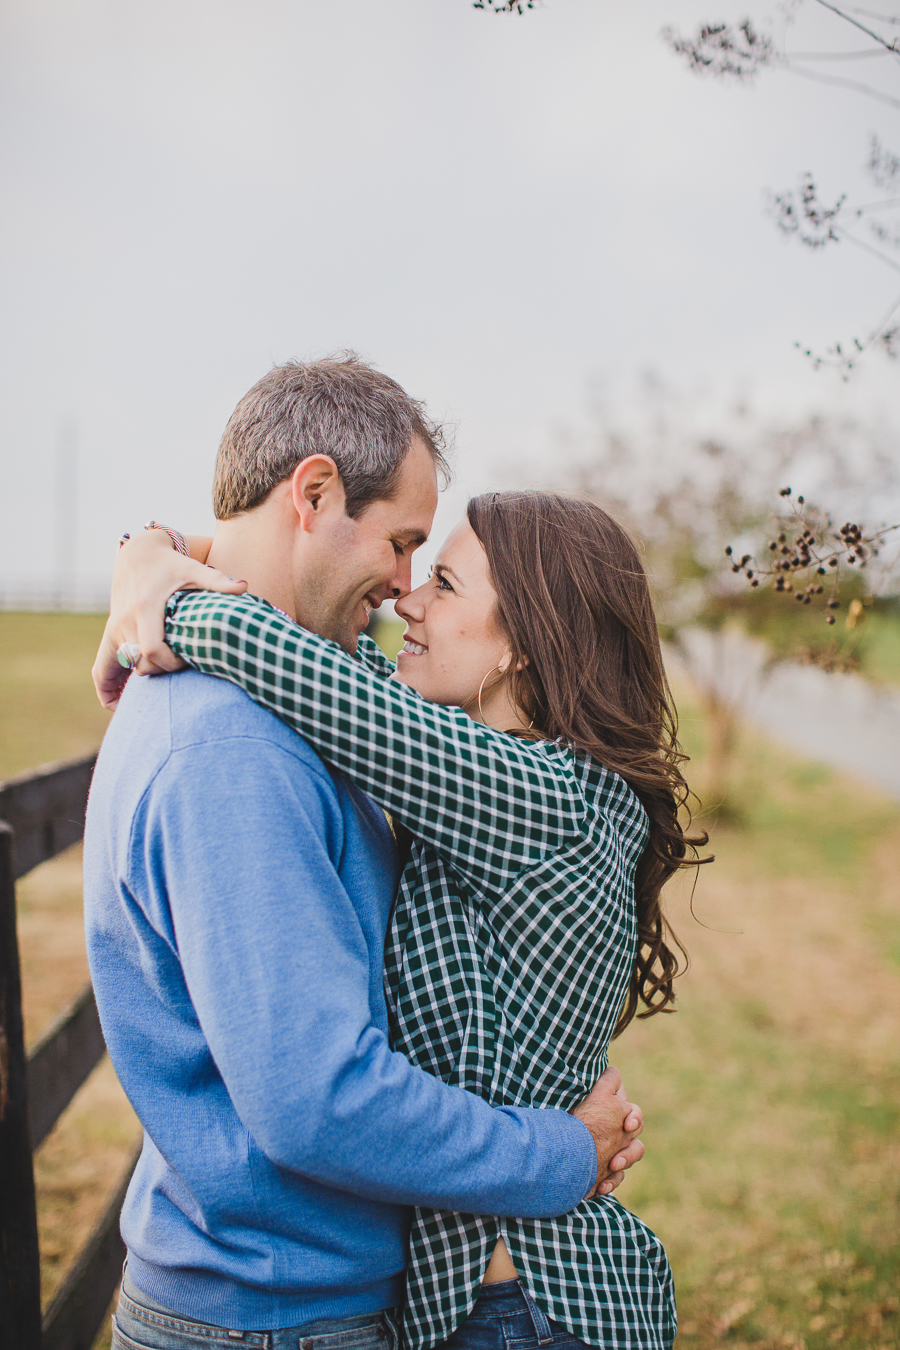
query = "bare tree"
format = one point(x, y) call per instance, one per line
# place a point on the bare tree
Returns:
point(741, 52)
point(702, 505)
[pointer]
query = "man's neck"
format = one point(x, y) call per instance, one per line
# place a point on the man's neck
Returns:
point(243, 547)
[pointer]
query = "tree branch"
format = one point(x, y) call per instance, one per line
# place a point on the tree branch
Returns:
point(882, 18)
point(845, 234)
point(836, 79)
point(833, 56)
point(879, 327)
point(876, 206)
point(876, 37)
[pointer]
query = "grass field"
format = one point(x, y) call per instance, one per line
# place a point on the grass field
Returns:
point(772, 1095)
point(48, 709)
point(773, 1148)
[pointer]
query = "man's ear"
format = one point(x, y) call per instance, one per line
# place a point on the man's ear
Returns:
point(317, 491)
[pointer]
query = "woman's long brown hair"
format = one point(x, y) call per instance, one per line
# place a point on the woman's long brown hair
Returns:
point(574, 600)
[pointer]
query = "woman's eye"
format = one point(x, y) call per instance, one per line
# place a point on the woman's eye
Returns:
point(444, 584)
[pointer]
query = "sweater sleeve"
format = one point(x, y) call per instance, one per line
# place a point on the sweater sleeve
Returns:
point(278, 973)
point(492, 803)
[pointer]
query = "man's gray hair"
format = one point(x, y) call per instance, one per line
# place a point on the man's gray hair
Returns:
point(339, 407)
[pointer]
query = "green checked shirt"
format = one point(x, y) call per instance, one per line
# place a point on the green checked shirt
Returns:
point(509, 953)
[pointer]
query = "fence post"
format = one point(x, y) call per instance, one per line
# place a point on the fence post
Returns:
point(20, 1276)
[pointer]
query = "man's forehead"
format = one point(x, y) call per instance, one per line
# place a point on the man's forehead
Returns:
point(400, 517)
point(415, 501)
point(408, 526)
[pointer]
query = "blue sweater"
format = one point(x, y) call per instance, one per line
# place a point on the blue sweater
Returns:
point(237, 894)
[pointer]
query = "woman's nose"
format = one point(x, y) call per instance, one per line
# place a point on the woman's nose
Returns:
point(411, 607)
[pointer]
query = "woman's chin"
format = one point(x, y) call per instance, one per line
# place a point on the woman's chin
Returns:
point(406, 673)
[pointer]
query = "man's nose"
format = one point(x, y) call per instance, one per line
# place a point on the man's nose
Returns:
point(401, 582)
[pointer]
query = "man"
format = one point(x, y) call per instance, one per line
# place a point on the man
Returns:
point(237, 897)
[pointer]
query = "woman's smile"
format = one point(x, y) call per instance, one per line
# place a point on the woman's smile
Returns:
point(452, 620)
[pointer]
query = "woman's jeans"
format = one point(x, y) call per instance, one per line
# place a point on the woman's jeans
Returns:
point(507, 1318)
point(142, 1324)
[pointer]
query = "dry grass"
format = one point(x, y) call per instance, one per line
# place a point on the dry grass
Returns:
point(48, 709)
point(773, 1148)
point(772, 1098)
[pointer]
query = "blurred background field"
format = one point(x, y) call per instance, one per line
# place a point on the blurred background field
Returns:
point(773, 1147)
point(772, 1095)
point(49, 710)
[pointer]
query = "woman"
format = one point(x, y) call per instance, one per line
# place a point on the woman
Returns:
point(538, 777)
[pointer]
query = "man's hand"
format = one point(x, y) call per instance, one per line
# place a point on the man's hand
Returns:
point(615, 1124)
point(147, 571)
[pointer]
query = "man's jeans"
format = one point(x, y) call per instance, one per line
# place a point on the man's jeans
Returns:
point(140, 1323)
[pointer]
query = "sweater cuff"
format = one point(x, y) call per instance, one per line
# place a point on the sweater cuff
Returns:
point(574, 1172)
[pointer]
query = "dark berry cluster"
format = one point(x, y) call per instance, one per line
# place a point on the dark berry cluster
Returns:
point(504, 6)
point(816, 550)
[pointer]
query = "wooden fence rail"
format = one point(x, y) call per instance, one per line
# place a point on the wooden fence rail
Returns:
point(41, 814)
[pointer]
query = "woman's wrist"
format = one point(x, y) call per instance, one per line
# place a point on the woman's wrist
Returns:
point(196, 546)
point(179, 543)
point(199, 546)
point(147, 570)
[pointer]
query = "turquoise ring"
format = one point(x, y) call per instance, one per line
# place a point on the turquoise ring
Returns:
point(128, 655)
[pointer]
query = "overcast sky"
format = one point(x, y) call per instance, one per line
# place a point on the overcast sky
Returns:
point(504, 213)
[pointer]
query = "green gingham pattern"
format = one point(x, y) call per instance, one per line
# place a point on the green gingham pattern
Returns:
point(509, 952)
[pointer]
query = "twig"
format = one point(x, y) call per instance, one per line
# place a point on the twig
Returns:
point(882, 18)
point(832, 56)
point(836, 79)
point(876, 206)
point(809, 553)
point(891, 46)
point(860, 243)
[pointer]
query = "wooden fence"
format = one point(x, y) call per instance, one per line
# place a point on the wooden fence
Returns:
point(41, 814)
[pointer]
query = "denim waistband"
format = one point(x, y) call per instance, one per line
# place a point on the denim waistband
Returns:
point(327, 1333)
point(506, 1298)
point(500, 1289)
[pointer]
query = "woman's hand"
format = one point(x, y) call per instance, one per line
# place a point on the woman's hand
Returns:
point(148, 569)
point(615, 1124)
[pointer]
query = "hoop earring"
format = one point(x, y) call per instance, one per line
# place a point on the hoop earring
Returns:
point(481, 687)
